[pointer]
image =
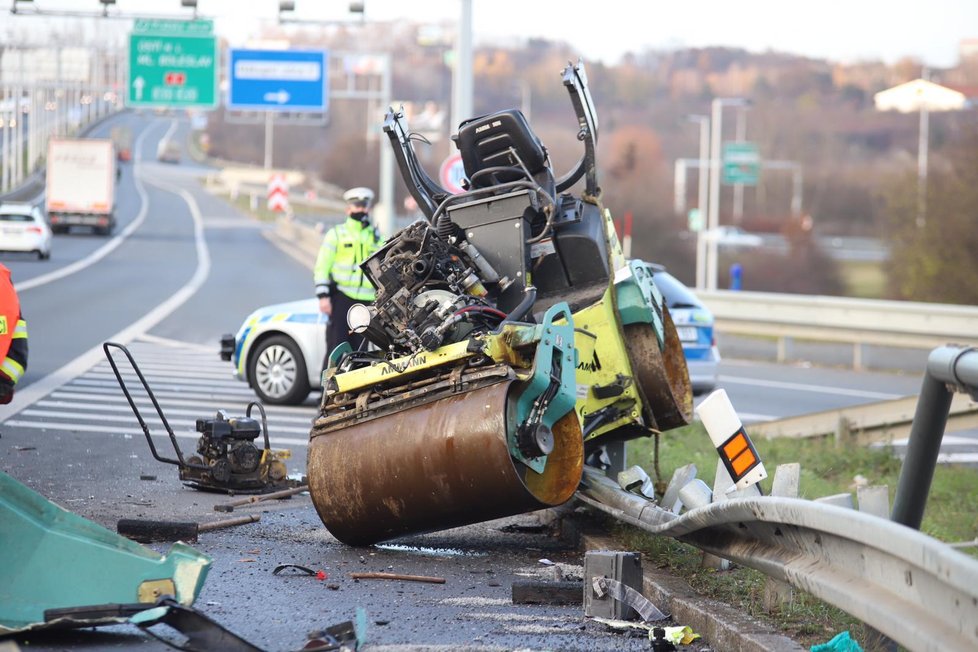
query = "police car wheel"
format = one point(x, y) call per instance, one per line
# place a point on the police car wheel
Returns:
point(277, 372)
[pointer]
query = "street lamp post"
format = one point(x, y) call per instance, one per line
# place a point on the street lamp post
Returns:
point(713, 220)
point(704, 123)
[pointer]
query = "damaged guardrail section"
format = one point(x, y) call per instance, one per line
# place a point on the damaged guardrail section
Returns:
point(915, 589)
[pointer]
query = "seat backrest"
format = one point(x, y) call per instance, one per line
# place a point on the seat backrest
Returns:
point(491, 140)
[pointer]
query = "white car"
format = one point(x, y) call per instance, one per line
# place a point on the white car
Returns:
point(279, 351)
point(23, 228)
point(734, 236)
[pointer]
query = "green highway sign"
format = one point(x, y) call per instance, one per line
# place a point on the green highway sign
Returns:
point(172, 64)
point(741, 164)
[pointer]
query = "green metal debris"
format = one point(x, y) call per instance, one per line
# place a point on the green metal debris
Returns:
point(52, 559)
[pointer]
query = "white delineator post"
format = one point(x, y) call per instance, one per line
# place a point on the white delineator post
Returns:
point(727, 433)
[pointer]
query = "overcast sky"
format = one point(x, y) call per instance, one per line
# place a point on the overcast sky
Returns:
point(840, 30)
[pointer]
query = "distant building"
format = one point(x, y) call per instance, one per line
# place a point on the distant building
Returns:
point(968, 49)
point(909, 97)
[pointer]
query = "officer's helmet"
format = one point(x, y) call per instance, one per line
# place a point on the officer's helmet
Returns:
point(360, 197)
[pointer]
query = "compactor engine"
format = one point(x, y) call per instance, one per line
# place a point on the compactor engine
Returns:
point(510, 339)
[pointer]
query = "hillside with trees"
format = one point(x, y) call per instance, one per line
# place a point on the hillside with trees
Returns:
point(859, 164)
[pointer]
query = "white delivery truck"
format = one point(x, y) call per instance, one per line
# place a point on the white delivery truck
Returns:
point(80, 187)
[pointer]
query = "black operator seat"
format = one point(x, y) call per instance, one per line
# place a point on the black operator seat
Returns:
point(495, 141)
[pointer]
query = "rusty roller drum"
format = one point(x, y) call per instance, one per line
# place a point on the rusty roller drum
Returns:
point(662, 374)
point(435, 466)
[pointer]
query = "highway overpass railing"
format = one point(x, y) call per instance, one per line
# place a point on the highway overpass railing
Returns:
point(859, 322)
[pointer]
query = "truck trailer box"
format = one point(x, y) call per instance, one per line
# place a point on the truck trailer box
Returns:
point(80, 184)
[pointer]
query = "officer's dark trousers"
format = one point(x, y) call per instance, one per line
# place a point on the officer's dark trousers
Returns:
point(337, 330)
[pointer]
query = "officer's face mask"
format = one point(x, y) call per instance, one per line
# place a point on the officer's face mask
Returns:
point(359, 215)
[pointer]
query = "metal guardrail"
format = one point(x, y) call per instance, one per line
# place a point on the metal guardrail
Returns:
point(872, 422)
point(860, 322)
point(915, 589)
point(918, 591)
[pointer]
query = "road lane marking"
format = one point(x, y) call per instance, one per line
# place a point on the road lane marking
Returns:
point(165, 398)
point(804, 387)
point(110, 430)
point(90, 358)
point(123, 407)
point(177, 344)
point(109, 380)
point(187, 425)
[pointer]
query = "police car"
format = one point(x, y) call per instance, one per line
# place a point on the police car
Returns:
point(694, 324)
point(279, 351)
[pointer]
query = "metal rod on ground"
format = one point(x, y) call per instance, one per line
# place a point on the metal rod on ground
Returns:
point(285, 493)
point(947, 365)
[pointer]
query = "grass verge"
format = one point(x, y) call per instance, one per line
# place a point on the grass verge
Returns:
point(951, 515)
point(863, 279)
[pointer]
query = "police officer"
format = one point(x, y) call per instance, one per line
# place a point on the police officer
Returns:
point(13, 338)
point(339, 281)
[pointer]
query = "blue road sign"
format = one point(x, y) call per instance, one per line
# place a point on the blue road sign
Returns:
point(278, 80)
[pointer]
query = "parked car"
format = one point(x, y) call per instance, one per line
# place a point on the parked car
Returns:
point(279, 351)
point(694, 324)
point(736, 237)
point(23, 228)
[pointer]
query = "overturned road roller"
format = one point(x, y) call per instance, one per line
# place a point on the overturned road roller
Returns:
point(509, 340)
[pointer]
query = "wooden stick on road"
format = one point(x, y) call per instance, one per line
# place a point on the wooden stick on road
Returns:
point(397, 576)
point(285, 493)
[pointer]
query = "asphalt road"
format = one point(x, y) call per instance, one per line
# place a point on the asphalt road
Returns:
point(186, 268)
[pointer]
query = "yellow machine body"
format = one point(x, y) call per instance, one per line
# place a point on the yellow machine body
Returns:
point(511, 338)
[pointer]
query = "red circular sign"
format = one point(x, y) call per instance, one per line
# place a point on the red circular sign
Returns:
point(452, 174)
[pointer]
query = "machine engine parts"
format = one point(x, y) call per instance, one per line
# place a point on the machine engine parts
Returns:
point(227, 458)
point(510, 340)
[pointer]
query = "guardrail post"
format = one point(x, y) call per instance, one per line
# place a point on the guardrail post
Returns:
point(786, 482)
point(786, 347)
point(843, 432)
point(858, 356)
point(946, 366)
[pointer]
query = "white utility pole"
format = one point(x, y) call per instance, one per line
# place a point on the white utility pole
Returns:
point(702, 197)
point(738, 208)
point(462, 87)
point(716, 125)
point(923, 139)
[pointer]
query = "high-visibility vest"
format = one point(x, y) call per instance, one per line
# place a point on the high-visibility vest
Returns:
point(344, 248)
point(12, 328)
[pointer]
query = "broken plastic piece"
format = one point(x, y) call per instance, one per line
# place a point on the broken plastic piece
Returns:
point(302, 570)
point(202, 633)
point(841, 642)
point(54, 559)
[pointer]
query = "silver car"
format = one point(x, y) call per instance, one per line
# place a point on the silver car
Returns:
point(279, 351)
